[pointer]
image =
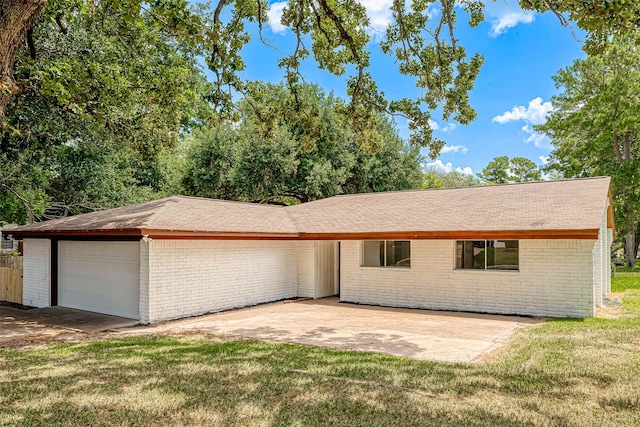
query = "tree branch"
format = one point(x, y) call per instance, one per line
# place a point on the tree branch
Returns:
point(30, 213)
point(64, 29)
point(31, 44)
point(616, 147)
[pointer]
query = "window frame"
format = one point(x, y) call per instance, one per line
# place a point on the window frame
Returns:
point(485, 269)
point(384, 244)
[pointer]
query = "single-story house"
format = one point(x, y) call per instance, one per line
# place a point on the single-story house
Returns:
point(539, 249)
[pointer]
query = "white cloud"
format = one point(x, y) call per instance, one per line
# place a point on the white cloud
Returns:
point(379, 13)
point(438, 166)
point(533, 114)
point(380, 16)
point(539, 140)
point(544, 159)
point(454, 149)
point(466, 170)
point(436, 126)
point(502, 24)
point(503, 16)
point(506, 15)
point(275, 15)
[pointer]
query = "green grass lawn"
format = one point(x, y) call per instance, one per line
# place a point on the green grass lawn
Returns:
point(563, 372)
point(625, 281)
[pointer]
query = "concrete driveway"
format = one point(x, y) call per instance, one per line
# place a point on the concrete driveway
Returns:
point(418, 334)
point(22, 326)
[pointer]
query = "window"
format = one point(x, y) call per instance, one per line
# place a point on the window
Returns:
point(6, 243)
point(487, 254)
point(386, 253)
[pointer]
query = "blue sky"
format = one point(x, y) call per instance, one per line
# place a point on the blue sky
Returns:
point(522, 52)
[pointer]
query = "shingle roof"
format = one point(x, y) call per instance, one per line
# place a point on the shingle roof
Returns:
point(576, 204)
point(555, 209)
point(176, 213)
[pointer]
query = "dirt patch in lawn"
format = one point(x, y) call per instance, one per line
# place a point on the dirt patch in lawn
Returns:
point(611, 307)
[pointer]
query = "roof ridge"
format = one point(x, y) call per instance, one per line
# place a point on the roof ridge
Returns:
point(418, 190)
point(181, 196)
point(295, 224)
point(149, 221)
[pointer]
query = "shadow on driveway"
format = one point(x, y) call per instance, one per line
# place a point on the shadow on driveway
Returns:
point(418, 334)
point(18, 325)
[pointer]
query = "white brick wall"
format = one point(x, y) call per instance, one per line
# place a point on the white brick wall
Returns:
point(189, 277)
point(602, 262)
point(598, 249)
point(555, 279)
point(306, 268)
point(144, 281)
point(609, 243)
point(36, 290)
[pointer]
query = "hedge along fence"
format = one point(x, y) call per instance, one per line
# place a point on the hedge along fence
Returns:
point(11, 278)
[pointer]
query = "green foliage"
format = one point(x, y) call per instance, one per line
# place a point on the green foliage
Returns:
point(524, 170)
point(110, 98)
point(432, 180)
point(395, 167)
point(22, 184)
point(333, 33)
point(92, 176)
point(286, 162)
point(502, 170)
point(453, 179)
point(124, 75)
point(595, 125)
point(602, 20)
point(496, 171)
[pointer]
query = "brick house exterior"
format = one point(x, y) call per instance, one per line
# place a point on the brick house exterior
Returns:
point(539, 249)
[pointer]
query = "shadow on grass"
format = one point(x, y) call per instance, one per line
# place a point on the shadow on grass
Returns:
point(163, 380)
point(564, 372)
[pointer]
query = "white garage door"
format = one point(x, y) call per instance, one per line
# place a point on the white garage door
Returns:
point(100, 276)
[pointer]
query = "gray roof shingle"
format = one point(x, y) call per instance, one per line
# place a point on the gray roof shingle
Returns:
point(541, 207)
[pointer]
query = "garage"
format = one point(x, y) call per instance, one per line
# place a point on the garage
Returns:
point(103, 277)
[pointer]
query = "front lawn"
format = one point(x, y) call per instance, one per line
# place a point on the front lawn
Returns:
point(625, 281)
point(563, 372)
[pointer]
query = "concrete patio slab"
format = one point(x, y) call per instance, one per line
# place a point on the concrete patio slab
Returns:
point(418, 334)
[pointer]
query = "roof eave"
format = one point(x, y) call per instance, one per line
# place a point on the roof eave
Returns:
point(52, 234)
point(582, 234)
point(217, 235)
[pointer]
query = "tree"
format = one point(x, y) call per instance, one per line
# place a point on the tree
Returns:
point(285, 163)
point(434, 178)
point(595, 128)
point(107, 105)
point(524, 170)
point(502, 170)
point(395, 167)
point(424, 48)
point(496, 171)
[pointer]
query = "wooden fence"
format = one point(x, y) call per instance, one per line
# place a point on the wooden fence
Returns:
point(11, 278)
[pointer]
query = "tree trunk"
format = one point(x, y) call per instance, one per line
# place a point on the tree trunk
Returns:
point(16, 17)
point(630, 249)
